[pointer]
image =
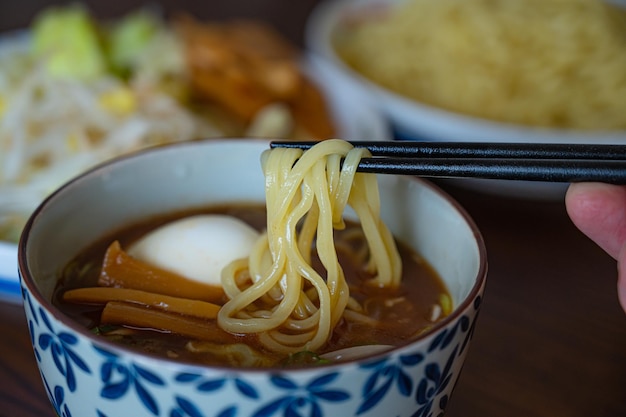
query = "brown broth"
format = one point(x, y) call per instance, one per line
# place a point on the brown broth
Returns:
point(401, 314)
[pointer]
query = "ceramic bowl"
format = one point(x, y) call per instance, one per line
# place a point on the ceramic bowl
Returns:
point(412, 120)
point(87, 376)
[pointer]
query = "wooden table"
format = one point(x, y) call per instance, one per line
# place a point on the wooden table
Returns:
point(551, 339)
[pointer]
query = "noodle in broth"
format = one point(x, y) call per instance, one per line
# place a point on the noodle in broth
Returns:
point(283, 299)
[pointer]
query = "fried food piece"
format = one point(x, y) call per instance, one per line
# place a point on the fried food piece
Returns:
point(246, 66)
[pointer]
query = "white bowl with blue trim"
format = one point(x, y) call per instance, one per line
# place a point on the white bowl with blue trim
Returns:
point(88, 376)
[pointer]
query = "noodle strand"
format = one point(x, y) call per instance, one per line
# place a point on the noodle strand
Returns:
point(284, 300)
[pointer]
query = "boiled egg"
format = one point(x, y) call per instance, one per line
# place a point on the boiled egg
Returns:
point(197, 247)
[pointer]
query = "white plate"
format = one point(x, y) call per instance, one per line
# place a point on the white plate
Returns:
point(354, 117)
point(415, 121)
point(9, 284)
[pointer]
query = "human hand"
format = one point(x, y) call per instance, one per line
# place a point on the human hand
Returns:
point(599, 211)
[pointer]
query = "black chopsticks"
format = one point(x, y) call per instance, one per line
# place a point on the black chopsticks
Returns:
point(507, 161)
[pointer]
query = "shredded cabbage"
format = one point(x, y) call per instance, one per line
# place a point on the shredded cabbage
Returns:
point(52, 128)
point(74, 93)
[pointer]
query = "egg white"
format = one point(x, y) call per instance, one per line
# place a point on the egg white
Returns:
point(196, 247)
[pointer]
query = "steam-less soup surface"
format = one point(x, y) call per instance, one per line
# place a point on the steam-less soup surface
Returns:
point(394, 315)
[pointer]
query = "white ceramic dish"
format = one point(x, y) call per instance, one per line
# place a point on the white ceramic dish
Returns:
point(87, 375)
point(412, 120)
point(355, 118)
point(9, 285)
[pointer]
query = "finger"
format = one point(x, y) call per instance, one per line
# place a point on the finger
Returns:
point(621, 280)
point(599, 211)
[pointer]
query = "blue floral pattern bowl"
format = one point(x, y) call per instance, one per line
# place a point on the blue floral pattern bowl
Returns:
point(86, 376)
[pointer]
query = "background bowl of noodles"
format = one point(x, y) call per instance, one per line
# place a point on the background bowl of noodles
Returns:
point(86, 374)
point(538, 72)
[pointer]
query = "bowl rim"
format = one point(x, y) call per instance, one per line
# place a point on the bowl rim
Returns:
point(28, 281)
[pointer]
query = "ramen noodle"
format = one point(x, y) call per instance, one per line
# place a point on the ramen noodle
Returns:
point(553, 63)
point(290, 305)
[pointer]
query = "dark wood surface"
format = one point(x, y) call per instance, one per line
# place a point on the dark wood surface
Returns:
point(551, 338)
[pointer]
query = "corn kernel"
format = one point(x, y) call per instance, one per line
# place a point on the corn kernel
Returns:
point(72, 143)
point(120, 101)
